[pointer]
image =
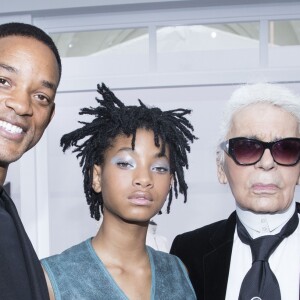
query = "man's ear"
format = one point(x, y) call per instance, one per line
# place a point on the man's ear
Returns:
point(97, 178)
point(221, 173)
point(52, 112)
point(298, 181)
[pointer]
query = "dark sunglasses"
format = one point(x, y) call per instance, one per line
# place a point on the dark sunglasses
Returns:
point(246, 152)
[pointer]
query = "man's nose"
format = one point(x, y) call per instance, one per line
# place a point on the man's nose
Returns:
point(267, 161)
point(20, 102)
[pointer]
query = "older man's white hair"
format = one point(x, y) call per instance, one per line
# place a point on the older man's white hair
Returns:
point(249, 94)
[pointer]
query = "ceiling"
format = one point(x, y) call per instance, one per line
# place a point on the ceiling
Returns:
point(58, 7)
point(197, 37)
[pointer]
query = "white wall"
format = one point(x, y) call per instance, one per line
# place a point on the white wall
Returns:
point(47, 185)
point(208, 201)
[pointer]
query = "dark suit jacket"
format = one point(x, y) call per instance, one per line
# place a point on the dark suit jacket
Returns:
point(21, 274)
point(206, 253)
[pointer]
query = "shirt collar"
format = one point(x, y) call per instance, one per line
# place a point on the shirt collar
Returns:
point(264, 224)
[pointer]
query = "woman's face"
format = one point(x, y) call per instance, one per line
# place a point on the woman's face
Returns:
point(134, 183)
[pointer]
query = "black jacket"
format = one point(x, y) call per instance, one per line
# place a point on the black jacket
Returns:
point(21, 274)
point(206, 252)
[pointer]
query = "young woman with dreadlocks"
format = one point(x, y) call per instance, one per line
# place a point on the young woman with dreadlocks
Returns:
point(132, 158)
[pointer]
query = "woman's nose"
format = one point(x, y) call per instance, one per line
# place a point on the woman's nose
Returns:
point(143, 179)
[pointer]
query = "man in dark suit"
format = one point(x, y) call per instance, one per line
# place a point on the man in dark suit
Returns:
point(258, 156)
point(30, 70)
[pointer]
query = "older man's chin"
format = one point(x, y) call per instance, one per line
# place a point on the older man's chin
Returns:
point(267, 206)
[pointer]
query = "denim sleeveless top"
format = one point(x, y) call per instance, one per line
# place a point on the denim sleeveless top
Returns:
point(78, 274)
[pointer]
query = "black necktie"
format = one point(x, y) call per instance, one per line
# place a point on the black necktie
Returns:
point(260, 282)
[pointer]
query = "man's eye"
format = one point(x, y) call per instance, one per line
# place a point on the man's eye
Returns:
point(43, 98)
point(4, 81)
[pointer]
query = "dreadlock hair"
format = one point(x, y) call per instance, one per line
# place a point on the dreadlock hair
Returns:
point(113, 118)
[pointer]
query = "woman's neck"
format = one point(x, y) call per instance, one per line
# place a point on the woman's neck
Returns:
point(120, 240)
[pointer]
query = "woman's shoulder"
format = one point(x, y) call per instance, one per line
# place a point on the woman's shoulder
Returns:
point(69, 256)
point(171, 278)
point(161, 259)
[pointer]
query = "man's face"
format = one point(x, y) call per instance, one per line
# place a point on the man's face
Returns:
point(28, 81)
point(264, 187)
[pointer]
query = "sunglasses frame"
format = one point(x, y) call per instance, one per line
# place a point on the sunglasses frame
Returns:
point(227, 146)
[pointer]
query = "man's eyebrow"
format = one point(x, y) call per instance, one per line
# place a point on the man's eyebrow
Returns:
point(8, 68)
point(49, 85)
point(45, 83)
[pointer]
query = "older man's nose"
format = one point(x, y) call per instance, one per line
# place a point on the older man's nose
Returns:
point(267, 161)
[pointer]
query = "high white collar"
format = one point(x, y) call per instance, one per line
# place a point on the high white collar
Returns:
point(264, 224)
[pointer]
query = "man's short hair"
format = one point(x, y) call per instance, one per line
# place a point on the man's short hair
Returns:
point(31, 31)
point(248, 94)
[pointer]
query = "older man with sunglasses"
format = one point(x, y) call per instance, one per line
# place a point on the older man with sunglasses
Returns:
point(255, 253)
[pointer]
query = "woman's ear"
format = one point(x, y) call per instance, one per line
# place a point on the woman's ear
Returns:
point(172, 180)
point(97, 178)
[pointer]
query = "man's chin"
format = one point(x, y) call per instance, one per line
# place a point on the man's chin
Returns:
point(6, 160)
point(266, 209)
point(265, 206)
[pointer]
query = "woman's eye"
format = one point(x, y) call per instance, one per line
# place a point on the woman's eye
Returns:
point(161, 170)
point(124, 165)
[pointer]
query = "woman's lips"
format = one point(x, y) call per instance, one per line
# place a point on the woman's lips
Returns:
point(140, 198)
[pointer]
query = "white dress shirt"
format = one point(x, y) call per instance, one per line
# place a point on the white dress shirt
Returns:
point(157, 242)
point(284, 262)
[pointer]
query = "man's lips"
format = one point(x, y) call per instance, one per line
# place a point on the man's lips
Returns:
point(265, 187)
point(11, 128)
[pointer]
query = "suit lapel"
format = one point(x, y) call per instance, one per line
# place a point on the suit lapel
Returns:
point(217, 262)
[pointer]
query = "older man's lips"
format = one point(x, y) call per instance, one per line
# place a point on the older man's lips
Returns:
point(140, 198)
point(264, 188)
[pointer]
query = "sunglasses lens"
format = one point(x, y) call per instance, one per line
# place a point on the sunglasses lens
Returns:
point(286, 152)
point(246, 151)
